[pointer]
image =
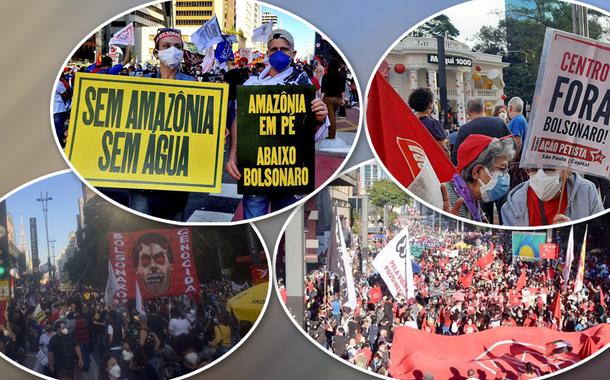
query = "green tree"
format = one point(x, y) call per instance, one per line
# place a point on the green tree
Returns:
point(440, 26)
point(386, 195)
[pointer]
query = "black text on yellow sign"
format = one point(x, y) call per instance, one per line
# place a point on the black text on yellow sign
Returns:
point(275, 139)
point(148, 133)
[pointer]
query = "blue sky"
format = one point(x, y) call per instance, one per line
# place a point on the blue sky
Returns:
point(304, 36)
point(65, 189)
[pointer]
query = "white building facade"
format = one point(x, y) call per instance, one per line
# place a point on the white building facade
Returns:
point(469, 74)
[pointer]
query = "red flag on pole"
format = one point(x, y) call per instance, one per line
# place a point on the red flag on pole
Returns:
point(521, 281)
point(392, 123)
point(466, 279)
point(487, 259)
point(556, 306)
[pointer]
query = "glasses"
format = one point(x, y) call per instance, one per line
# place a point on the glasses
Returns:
point(547, 171)
point(500, 169)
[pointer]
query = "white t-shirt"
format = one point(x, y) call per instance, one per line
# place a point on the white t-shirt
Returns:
point(178, 327)
point(58, 103)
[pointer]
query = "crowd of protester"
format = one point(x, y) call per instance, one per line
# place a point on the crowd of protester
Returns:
point(59, 333)
point(454, 295)
point(490, 185)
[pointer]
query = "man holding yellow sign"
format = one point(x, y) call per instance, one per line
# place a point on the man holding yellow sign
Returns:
point(146, 134)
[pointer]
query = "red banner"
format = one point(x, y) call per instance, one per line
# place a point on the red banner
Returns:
point(502, 349)
point(568, 149)
point(259, 273)
point(160, 262)
point(549, 251)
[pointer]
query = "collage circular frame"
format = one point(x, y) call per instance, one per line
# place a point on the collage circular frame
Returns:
point(503, 295)
point(135, 145)
point(487, 62)
point(234, 288)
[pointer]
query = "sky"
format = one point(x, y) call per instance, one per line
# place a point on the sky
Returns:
point(469, 17)
point(304, 36)
point(65, 189)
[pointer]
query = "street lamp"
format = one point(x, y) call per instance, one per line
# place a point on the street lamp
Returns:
point(45, 208)
point(505, 53)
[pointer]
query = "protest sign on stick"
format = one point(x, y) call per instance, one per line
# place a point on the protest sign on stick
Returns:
point(569, 123)
point(148, 133)
point(275, 144)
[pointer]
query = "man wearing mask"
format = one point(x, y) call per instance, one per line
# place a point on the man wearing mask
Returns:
point(550, 196)
point(280, 47)
point(64, 353)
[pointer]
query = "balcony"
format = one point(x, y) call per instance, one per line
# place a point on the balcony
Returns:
point(480, 93)
point(426, 43)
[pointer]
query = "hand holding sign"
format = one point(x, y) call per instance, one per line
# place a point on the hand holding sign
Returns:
point(318, 107)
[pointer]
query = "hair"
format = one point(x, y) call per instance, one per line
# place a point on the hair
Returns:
point(475, 105)
point(496, 148)
point(420, 99)
point(499, 108)
point(334, 65)
point(148, 239)
point(139, 357)
point(516, 104)
point(106, 61)
point(102, 370)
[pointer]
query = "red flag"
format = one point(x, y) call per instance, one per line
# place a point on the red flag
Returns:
point(521, 281)
point(602, 297)
point(550, 273)
point(98, 58)
point(504, 347)
point(556, 307)
point(374, 295)
point(395, 132)
point(466, 279)
point(487, 259)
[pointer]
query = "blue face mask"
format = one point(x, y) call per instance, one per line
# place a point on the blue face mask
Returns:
point(496, 188)
point(279, 60)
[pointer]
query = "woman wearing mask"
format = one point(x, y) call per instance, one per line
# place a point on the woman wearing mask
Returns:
point(551, 196)
point(109, 368)
point(482, 176)
point(135, 366)
point(188, 346)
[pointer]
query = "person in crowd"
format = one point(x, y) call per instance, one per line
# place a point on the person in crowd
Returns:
point(42, 357)
point(109, 368)
point(62, 103)
point(421, 100)
point(280, 47)
point(482, 175)
point(135, 366)
point(483, 125)
point(518, 127)
point(115, 333)
point(188, 347)
point(150, 343)
point(332, 89)
point(65, 358)
point(178, 324)
point(222, 336)
point(82, 334)
point(501, 112)
point(551, 196)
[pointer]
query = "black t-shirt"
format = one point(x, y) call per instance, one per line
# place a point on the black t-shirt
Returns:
point(63, 347)
point(340, 345)
point(434, 127)
point(145, 373)
point(333, 84)
point(235, 77)
point(485, 125)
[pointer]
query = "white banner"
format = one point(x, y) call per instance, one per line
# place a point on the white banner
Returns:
point(567, 264)
point(123, 36)
point(261, 33)
point(208, 35)
point(395, 266)
point(569, 123)
point(347, 265)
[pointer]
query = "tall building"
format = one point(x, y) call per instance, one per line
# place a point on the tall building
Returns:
point(248, 16)
point(23, 244)
point(268, 17)
point(370, 173)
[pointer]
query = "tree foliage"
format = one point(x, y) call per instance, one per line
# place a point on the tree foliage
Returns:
point(386, 194)
point(440, 26)
point(520, 38)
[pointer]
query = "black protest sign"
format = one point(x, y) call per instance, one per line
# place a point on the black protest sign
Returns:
point(275, 144)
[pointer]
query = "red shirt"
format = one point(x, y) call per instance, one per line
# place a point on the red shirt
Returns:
point(551, 208)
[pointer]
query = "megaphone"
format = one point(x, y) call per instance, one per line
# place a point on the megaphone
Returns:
point(495, 76)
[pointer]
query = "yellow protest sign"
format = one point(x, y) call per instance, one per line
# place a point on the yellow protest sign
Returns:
point(148, 133)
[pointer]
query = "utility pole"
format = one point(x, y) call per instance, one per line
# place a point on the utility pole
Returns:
point(45, 209)
point(52, 242)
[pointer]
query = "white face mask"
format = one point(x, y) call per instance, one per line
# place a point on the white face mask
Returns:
point(64, 331)
point(127, 356)
point(170, 57)
point(115, 371)
point(546, 186)
point(191, 357)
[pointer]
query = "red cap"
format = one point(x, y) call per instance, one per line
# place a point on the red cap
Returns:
point(470, 149)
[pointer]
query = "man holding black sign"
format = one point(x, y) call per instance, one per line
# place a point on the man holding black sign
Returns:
point(280, 47)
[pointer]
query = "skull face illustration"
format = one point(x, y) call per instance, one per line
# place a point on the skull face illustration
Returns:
point(153, 260)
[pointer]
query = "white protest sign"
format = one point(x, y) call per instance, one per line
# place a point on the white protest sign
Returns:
point(123, 36)
point(569, 123)
point(395, 267)
point(261, 33)
point(207, 35)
